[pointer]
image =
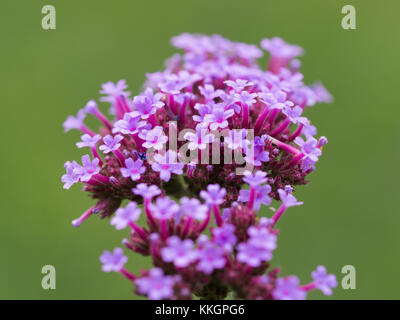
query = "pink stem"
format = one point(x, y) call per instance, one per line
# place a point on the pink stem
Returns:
point(272, 116)
point(218, 218)
point(278, 214)
point(206, 222)
point(282, 127)
point(148, 212)
point(86, 130)
point(164, 231)
point(308, 287)
point(103, 179)
point(127, 274)
point(182, 112)
point(252, 197)
point(138, 230)
point(295, 134)
point(260, 120)
point(119, 109)
point(188, 224)
point(295, 159)
point(284, 146)
point(245, 116)
point(96, 155)
point(77, 222)
point(171, 103)
point(124, 105)
point(103, 119)
point(152, 120)
point(120, 157)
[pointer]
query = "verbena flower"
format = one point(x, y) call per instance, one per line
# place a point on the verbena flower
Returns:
point(133, 169)
point(157, 155)
point(180, 252)
point(123, 216)
point(113, 261)
point(289, 289)
point(156, 285)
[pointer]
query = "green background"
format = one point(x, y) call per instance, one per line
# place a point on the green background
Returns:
point(350, 215)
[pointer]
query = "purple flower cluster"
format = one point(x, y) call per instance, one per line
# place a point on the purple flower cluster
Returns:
point(215, 86)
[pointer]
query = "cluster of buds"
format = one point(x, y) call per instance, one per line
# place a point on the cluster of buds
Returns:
point(209, 140)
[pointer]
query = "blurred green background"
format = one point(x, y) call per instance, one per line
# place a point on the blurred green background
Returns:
point(350, 214)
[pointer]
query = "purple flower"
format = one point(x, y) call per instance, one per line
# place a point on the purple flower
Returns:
point(112, 90)
point(214, 195)
point(229, 102)
point(71, 176)
point(111, 143)
point(294, 114)
point(262, 237)
point(147, 192)
point(280, 49)
point(88, 168)
point(323, 281)
point(164, 208)
point(200, 139)
point(256, 179)
point(224, 237)
point(155, 138)
point(246, 98)
point(237, 139)
point(288, 200)
point(248, 51)
point(74, 122)
point(309, 130)
point(113, 261)
point(124, 215)
point(261, 196)
point(144, 106)
point(252, 255)
point(88, 141)
point(166, 164)
point(130, 124)
point(322, 141)
point(173, 84)
point(203, 110)
point(238, 85)
point(321, 93)
point(258, 154)
point(288, 189)
point(91, 107)
point(156, 285)
point(133, 169)
point(211, 258)
point(309, 147)
point(288, 289)
point(275, 99)
point(193, 208)
point(264, 222)
point(307, 165)
point(209, 92)
point(180, 252)
point(218, 118)
point(154, 98)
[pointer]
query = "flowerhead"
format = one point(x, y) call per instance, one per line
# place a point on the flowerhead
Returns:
point(113, 261)
point(323, 281)
point(289, 289)
point(156, 285)
point(125, 215)
point(180, 252)
point(214, 194)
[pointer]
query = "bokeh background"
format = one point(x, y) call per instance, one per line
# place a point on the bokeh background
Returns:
point(350, 215)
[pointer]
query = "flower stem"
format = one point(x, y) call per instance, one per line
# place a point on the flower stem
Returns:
point(127, 274)
point(278, 214)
